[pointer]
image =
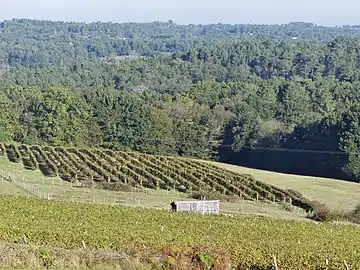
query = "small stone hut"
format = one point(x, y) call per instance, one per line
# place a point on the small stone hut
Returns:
point(200, 207)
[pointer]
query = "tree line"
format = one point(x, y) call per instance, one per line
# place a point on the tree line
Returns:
point(32, 43)
point(208, 101)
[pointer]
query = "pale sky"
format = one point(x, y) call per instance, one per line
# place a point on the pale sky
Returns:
point(325, 12)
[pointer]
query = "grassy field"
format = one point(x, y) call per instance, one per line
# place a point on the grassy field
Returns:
point(32, 257)
point(337, 194)
point(11, 189)
point(149, 198)
point(178, 241)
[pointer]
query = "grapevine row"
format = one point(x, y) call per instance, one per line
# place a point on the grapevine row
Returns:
point(45, 164)
point(28, 159)
point(141, 170)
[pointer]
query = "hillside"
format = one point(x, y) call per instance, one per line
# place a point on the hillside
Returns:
point(337, 194)
point(103, 125)
point(117, 170)
point(124, 170)
point(211, 101)
point(33, 183)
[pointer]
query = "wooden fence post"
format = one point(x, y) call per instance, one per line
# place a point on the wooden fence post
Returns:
point(346, 266)
point(274, 263)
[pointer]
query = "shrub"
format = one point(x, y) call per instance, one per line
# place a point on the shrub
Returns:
point(231, 198)
point(355, 215)
point(321, 212)
point(357, 210)
point(198, 195)
point(288, 208)
point(115, 187)
point(201, 195)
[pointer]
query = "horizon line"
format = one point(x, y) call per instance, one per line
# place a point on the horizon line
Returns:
point(180, 24)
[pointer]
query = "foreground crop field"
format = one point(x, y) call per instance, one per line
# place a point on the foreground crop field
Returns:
point(249, 242)
point(140, 170)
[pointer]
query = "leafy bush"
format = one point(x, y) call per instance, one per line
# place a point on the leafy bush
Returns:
point(357, 210)
point(115, 187)
point(321, 212)
point(355, 215)
point(201, 195)
point(231, 198)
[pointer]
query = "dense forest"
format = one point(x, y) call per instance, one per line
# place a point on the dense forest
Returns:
point(279, 97)
point(31, 43)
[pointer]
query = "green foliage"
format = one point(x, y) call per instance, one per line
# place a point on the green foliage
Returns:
point(60, 117)
point(355, 215)
point(245, 127)
point(162, 88)
point(246, 241)
point(320, 212)
point(207, 260)
point(23, 41)
point(350, 140)
point(7, 123)
point(46, 258)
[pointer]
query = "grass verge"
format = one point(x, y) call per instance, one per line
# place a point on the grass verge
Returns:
point(21, 256)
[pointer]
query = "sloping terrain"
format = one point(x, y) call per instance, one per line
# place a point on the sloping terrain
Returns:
point(32, 183)
point(337, 194)
point(141, 170)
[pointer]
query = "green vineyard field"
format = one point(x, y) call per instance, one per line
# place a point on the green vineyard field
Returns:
point(243, 242)
point(141, 170)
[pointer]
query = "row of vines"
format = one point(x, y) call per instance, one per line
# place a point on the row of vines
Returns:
point(142, 170)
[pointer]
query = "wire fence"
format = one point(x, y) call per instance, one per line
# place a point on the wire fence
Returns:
point(53, 191)
point(57, 189)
